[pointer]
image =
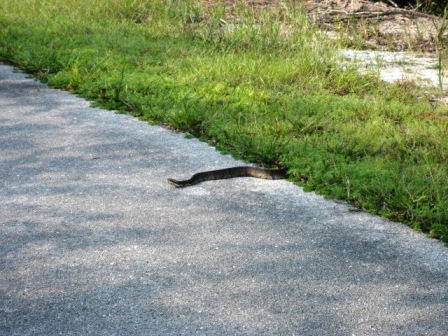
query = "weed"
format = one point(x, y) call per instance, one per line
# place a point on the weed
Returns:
point(440, 46)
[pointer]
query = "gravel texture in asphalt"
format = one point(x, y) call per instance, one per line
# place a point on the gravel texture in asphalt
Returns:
point(94, 241)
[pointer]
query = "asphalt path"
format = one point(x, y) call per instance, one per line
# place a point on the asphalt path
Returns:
point(94, 241)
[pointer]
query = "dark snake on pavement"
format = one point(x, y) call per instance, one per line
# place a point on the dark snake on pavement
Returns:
point(269, 174)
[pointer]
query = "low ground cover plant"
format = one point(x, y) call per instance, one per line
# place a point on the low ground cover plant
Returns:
point(264, 85)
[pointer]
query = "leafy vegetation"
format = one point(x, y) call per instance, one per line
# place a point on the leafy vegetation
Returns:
point(437, 7)
point(266, 86)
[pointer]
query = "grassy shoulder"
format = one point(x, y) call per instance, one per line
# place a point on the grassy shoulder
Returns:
point(266, 87)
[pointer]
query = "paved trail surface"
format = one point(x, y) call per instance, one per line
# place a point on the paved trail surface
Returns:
point(93, 241)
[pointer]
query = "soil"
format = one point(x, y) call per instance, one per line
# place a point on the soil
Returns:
point(381, 24)
point(404, 40)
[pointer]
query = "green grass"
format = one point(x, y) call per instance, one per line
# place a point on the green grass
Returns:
point(263, 85)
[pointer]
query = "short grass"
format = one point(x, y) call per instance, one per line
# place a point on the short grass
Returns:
point(263, 85)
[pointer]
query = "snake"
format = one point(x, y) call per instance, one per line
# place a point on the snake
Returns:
point(244, 171)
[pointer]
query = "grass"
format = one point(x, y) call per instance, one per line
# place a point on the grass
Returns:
point(440, 45)
point(265, 86)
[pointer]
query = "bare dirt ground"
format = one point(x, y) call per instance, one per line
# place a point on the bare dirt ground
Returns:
point(379, 23)
point(401, 43)
point(405, 40)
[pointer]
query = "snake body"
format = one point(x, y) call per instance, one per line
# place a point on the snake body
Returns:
point(269, 174)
